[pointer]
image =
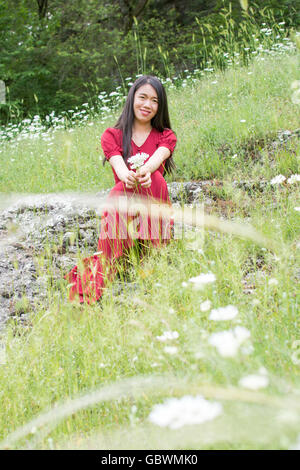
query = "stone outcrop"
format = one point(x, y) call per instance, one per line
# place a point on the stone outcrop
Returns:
point(40, 236)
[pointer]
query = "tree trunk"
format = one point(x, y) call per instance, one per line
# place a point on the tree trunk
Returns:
point(43, 5)
point(133, 11)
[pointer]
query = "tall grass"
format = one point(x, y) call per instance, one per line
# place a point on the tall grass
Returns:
point(228, 41)
point(216, 119)
point(86, 354)
point(69, 350)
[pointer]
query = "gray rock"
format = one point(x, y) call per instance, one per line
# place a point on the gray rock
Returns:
point(35, 235)
point(40, 236)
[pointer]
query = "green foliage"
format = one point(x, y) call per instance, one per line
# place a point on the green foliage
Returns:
point(64, 56)
point(225, 123)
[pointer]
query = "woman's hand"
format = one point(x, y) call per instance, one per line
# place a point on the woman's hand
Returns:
point(144, 177)
point(130, 179)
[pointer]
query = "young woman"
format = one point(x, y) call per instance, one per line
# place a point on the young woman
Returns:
point(143, 133)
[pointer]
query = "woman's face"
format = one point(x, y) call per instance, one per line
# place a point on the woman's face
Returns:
point(145, 104)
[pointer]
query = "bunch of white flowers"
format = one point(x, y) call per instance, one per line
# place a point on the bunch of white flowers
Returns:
point(137, 160)
point(202, 279)
point(254, 381)
point(205, 306)
point(223, 313)
point(228, 342)
point(167, 335)
point(293, 179)
point(187, 410)
point(278, 179)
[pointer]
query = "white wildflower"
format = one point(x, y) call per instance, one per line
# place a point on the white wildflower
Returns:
point(273, 282)
point(205, 306)
point(167, 335)
point(254, 381)
point(223, 313)
point(203, 279)
point(188, 410)
point(293, 179)
point(278, 179)
point(243, 120)
point(137, 160)
point(228, 342)
point(297, 209)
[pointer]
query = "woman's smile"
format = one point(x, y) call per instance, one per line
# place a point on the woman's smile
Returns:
point(145, 112)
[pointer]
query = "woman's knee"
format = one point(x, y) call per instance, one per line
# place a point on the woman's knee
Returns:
point(118, 188)
point(157, 177)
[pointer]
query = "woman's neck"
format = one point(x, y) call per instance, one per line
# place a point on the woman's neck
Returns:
point(141, 128)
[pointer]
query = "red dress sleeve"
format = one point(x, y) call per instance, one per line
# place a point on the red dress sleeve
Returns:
point(168, 139)
point(111, 142)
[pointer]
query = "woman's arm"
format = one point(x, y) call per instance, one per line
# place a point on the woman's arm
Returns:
point(124, 174)
point(154, 162)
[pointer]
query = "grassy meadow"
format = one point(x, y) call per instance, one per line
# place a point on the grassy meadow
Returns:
point(221, 122)
point(89, 377)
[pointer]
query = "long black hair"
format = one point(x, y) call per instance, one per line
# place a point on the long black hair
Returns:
point(160, 121)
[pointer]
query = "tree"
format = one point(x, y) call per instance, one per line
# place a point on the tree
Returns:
point(131, 9)
point(42, 5)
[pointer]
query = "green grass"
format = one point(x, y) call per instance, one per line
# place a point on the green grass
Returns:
point(68, 351)
point(207, 119)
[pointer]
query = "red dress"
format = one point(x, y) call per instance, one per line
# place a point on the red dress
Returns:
point(87, 281)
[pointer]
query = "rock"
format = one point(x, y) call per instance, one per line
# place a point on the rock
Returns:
point(35, 236)
point(40, 236)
